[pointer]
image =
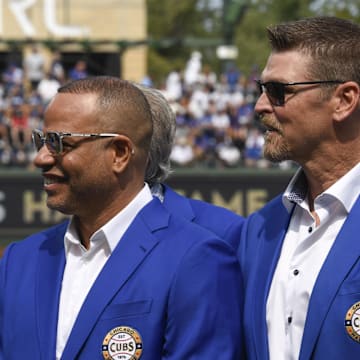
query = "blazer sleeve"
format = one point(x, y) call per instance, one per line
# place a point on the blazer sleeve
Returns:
point(205, 306)
point(1, 308)
point(3, 262)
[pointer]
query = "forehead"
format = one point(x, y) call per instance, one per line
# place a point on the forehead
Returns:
point(70, 111)
point(286, 66)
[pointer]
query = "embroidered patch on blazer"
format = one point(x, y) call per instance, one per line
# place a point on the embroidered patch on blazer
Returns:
point(352, 321)
point(122, 343)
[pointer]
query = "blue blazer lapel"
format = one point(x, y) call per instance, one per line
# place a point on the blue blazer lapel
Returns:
point(50, 267)
point(133, 248)
point(271, 251)
point(265, 256)
point(343, 254)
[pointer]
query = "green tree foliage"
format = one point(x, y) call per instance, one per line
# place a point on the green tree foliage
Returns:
point(172, 23)
point(250, 36)
point(343, 8)
point(171, 26)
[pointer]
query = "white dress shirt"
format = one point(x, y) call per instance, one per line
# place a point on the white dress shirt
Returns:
point(303, 253)
point(83, 266)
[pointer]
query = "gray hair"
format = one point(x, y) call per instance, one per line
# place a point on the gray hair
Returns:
point(164, 126)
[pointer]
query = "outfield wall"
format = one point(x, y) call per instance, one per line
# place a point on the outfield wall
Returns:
point(23, 207)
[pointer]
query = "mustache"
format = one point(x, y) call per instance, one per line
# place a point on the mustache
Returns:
point(269, 123)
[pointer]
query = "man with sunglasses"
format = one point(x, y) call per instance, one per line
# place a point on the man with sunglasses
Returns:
point(123, 278)
point(300, 253)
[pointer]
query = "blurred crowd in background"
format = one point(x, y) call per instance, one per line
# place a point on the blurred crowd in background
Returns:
point(25, 90)
point(216, 123)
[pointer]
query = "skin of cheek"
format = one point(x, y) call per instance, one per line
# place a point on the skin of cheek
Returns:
point(87, 181)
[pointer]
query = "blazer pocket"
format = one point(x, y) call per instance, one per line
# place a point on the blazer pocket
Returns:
point(350, 287)
point(128, 309)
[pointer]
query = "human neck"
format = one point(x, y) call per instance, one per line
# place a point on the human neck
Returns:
point(323, 175)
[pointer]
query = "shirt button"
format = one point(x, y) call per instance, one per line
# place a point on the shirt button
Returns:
point(310, 229)
point(296, 272)
point(289, 319)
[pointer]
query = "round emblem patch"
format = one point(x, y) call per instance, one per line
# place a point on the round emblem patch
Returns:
point(352, 321)
point(122, 343)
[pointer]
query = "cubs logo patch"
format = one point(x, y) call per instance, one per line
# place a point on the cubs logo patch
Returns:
point(122, 343)
point(352, 322)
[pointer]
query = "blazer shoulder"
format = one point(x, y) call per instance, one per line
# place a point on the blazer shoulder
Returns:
point(52, 236)
point(266, 223)
point(184, 234)
point(200, 207)
point(223, 222)
point(274, 206)
point(212, 210)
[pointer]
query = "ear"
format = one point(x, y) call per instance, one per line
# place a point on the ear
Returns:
point(123, 151)
point(347, 100)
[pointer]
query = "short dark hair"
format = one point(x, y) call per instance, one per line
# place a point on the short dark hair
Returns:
point(333, 45)
point(121, 106)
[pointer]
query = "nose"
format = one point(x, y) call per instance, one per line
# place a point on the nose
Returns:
point(262, 104)
point(44, 158)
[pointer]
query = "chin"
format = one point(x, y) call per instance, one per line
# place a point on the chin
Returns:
point(58, 206)
point(276, 152)
point(275, 156)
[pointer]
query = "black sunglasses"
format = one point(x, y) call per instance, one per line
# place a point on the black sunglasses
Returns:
point(275, 90)
point(53, 139)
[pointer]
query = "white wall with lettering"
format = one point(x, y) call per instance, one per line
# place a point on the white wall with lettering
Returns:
point(20, 10)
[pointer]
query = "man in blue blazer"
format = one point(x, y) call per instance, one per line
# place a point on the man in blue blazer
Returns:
point(123, 278)
point(300, 253)
point(222, 222)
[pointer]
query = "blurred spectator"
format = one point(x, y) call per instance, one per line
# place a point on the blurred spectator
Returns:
point(199, 100)
point(220, 121)
point(36, 107)
point(34, 65)
point(47, 87)
point(20, 132)
point(192, 70)
point(238, 137)
point(79, 71)
point(4, 140)
point(173, 85)
point(57, 70)
point(205, 146)
point(254, 148)
point(182, 153)
point(147, 81)
point(228, 154)
point(15, 96)
point(232, 76)
point(207, 77)
point(12, 76)
point(245, 112)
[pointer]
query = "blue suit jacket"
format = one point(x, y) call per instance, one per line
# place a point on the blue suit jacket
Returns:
point(173, 282)
point(222, 222)
point(336, 289)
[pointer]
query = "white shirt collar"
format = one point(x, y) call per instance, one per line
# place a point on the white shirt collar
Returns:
point(346, 189)
point(114, 229)
point(296, 191)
